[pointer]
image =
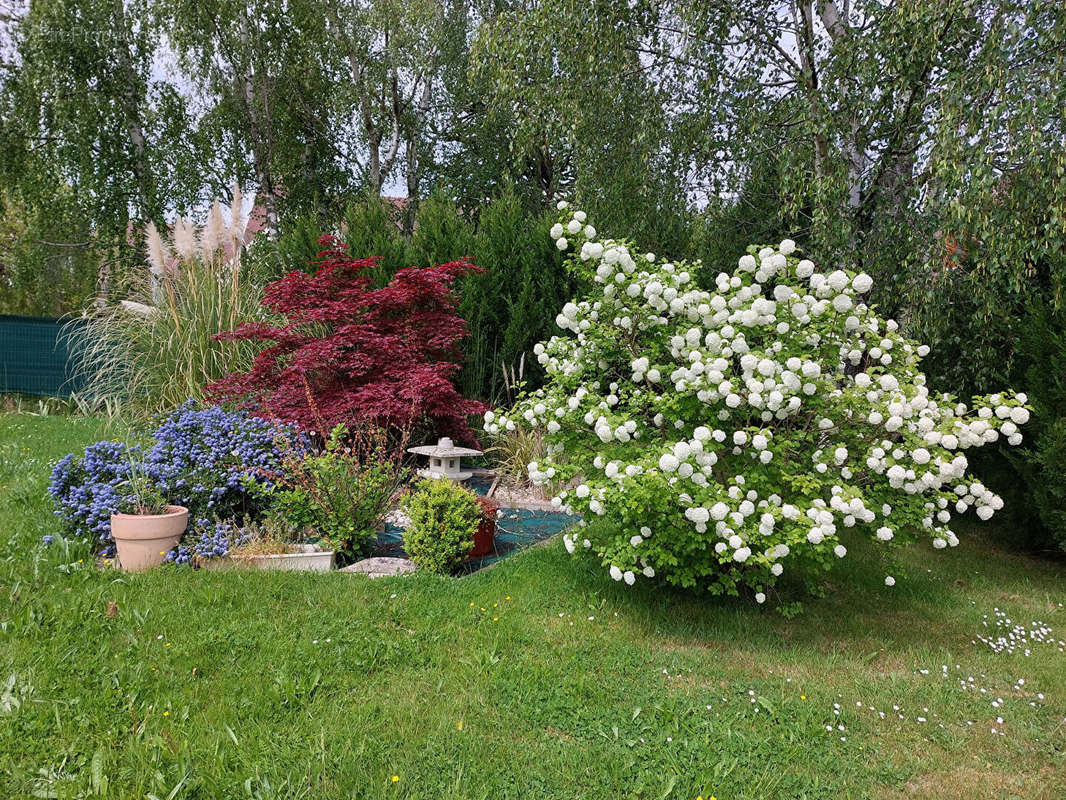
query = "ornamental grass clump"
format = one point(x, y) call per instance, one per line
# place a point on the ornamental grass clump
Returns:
point(444, 518)
point(155, 350)
point(727, 436)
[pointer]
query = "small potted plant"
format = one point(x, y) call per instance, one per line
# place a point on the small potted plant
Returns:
point(148, 527)
point(485, 536)
point(274, 544)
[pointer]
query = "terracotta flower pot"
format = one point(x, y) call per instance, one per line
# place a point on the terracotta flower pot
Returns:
point(485, 537)
point(143, 539)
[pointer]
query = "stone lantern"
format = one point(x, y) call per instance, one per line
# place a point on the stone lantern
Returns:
point(444, 459)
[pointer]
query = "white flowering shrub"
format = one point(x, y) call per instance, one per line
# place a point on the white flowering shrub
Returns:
point(732, 434)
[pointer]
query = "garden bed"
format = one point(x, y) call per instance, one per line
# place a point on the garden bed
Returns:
point(516, 529)
point(525, 519)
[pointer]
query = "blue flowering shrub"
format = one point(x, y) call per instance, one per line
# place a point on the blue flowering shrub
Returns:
point(86, 490)
point(212, 461)
point(207, 538)
point(208, 459)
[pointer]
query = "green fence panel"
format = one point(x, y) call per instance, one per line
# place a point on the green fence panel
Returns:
point(34, 357)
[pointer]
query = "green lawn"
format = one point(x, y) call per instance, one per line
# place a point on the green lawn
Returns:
point(538, 678)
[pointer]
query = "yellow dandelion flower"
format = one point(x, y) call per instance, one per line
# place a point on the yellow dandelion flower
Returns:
point(395, 778)
point(459, 725)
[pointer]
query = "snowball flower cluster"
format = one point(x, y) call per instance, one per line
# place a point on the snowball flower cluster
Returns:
point(715, 437)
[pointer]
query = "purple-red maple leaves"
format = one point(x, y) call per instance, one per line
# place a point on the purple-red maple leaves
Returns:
point(350, 351)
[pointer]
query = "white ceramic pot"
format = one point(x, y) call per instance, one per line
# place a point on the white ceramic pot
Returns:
point(308, 559)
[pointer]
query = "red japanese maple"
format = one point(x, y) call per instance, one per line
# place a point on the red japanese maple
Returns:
point(351, 351)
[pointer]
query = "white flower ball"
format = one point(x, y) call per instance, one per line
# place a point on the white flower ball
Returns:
point(668, 462)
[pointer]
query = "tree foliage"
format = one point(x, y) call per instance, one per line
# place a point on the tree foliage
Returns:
point(351, 351)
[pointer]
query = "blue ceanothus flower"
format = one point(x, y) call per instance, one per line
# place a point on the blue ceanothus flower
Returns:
point(206, 459)
point(86, 490)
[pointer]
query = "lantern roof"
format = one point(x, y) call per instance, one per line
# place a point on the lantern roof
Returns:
point(444, 448)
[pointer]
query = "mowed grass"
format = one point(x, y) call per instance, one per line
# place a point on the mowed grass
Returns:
point(538, 678)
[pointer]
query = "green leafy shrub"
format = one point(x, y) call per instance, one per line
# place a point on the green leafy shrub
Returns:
point(294, 249)
point(444, 233)
point(992, 296)
point(344, 490)
point(369, 226)
point(444, 518)
point(372, 226)
point(510, 308)
point(1033, 479)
